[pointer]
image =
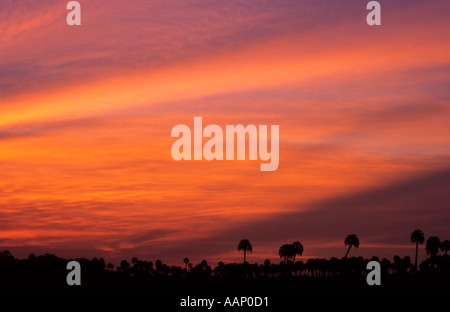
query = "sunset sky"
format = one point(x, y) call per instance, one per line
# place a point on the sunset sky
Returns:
point(86, 114)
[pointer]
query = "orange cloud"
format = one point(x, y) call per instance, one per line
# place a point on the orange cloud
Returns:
point(87, 161)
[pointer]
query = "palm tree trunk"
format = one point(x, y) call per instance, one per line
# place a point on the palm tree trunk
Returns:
point(348, 250)
point(417, 249)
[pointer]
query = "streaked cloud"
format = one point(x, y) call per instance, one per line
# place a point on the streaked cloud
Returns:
point(86, 114)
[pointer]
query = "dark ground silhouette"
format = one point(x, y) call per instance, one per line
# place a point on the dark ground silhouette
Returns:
point(48, 272)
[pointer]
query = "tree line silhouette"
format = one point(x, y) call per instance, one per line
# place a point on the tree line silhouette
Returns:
point(48, 271)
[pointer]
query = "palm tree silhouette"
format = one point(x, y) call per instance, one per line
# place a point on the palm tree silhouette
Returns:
point(124, 266)
point(285, 252)
point(432, 247)
point(297, 249)
point(158, 265)
point(418, 238)
point(289, 251)
point(351, 240)
point(186, 261)
point(245, 246)
point(445, 246)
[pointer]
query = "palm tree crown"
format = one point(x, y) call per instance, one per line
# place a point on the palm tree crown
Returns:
point(433, 246)
point(285, 251)
point(245, 246)
point(298, 249)
point(417, 237)
point(350, 241)
point(186, 261)
point(289, 251)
